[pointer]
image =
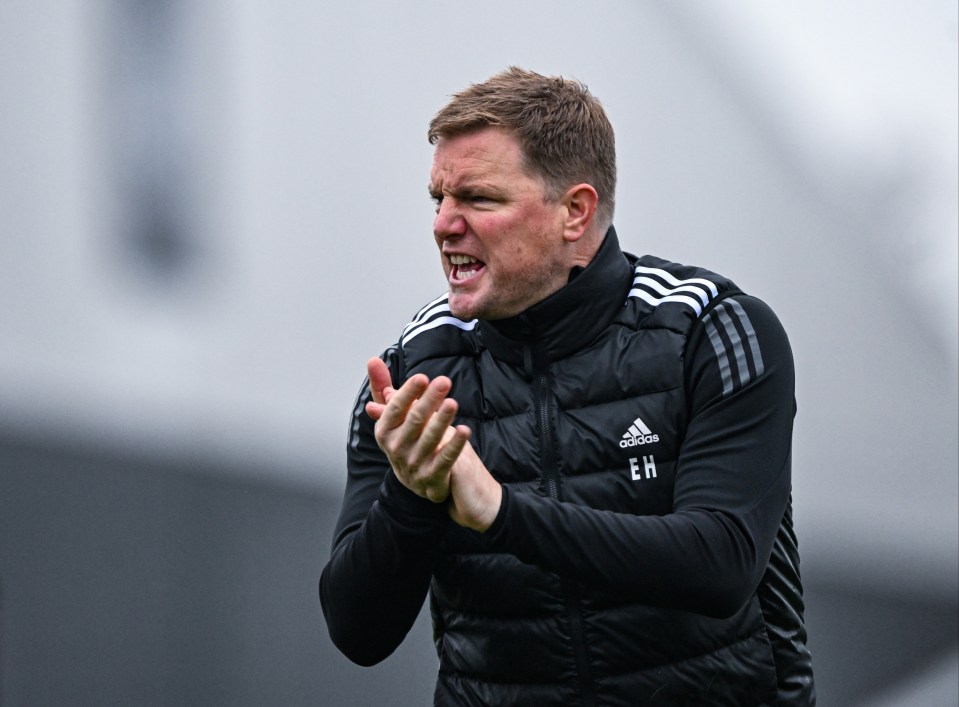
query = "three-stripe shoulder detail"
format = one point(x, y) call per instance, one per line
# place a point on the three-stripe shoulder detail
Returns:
point(657, 286)
point(435, 314)
point(735, 344)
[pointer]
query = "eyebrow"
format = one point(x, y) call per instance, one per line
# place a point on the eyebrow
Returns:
point(467, 187)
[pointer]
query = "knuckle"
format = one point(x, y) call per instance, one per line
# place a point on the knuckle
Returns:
point(415, 417)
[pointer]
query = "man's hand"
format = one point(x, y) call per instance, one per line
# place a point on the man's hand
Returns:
point(413, 428)
point(476, 495)
point(428, 455)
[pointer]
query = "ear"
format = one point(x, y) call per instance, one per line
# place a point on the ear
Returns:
point(580, 202)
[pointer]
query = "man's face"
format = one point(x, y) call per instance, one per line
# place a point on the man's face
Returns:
point(500, 239)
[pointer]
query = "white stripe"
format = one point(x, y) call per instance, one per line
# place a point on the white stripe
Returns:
point(429, 310)
point(643, 295)
point(672, 280)
point(656, 285)
point(439, 321)
point(425, 315)
point(442, 298)
point(642, 426)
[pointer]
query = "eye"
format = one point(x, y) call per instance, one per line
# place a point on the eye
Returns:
point(437, 200)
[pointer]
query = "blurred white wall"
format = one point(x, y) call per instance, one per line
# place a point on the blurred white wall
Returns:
point(807, 151)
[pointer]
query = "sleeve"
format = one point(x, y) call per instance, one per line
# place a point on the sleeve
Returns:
point(731, 491)
point(374, 584)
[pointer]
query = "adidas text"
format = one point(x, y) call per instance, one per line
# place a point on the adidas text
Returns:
point(638, 440)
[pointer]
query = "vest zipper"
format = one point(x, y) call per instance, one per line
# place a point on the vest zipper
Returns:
point(551, 480)
point(550, 472)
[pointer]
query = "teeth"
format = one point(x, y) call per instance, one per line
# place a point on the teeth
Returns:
point(461, 276)
point(462, 259)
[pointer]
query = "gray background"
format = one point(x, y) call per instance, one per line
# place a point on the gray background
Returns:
point(214, 212)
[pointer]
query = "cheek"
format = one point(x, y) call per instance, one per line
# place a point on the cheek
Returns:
point(514, 244)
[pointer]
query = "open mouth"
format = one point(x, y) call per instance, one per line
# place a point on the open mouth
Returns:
point(465, 267)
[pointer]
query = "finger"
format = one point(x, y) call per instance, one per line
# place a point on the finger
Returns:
point(433, 433)
point(450, 451)
point(424, 408)
point(375, 410)
point(398, 407)
point(380, 379)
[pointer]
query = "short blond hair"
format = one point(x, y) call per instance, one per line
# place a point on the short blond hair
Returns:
point(561, 127)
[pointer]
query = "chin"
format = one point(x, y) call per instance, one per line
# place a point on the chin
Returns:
point(466, 310)
point(463, 313)
point(457, 309)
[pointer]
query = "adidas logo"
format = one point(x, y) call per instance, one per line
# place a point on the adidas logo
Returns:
point(637, 435)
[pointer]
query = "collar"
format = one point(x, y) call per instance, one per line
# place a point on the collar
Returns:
point(569, 318)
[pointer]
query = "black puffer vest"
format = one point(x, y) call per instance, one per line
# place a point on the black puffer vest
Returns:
point(541, 393)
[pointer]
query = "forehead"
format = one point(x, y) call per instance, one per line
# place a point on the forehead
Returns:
point(482, 155)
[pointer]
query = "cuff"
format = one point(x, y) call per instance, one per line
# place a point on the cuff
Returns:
point(406, 504)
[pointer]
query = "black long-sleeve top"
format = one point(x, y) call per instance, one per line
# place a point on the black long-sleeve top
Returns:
point(707, 555)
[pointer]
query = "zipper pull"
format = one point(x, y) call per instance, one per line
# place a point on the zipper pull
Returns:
point(527, 338)
point(528, 362)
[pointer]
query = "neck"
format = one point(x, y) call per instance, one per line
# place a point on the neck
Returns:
point(586, 247)
point(572, 315)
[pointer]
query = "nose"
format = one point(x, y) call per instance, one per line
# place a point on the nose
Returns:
point(449, 222)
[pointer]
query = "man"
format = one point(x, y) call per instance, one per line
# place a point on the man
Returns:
point(582, 456)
